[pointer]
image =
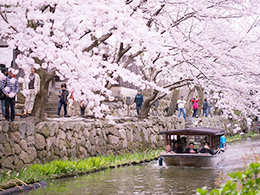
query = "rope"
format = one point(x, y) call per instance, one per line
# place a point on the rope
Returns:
point(32, 186)
point(21, 189)
point(38, 184)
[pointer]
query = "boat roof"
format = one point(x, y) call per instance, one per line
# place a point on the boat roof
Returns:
point(194, 131)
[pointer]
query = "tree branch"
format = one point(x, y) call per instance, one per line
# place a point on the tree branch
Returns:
point(149, 23)
point(122, 51)
point(5, 19)
point(97, 42)
point(178, 83)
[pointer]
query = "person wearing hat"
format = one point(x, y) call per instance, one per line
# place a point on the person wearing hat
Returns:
point(181, 107)
point(10, 89)
point(32, 86)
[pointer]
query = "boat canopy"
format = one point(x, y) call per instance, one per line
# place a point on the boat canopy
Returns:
point(194, 131)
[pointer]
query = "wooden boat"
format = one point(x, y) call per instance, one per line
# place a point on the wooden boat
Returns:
point(197, 160)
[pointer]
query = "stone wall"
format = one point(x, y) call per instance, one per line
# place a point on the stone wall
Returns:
point(24, 142)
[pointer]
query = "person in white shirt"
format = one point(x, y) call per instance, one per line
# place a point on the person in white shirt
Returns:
point(32, 86)
point(181, 107)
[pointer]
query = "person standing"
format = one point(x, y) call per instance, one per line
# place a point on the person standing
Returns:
point(205, 108)
point(195, 100)
point(63, 94)
point(5, 72)
point(32, 85)
point(181, 107)
point(210, 104)
point(249, 123)
point(71, 109)
point(223, 142)
point(10, 89)
point(139, 99)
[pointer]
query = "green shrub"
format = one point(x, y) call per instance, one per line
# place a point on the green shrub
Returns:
point(245, 182)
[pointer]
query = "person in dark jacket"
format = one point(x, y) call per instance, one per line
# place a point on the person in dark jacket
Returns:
point(191, 149)
point(206, 149)
point(205, 108)
point(177, 148)
point(63, 95)
point(139, 99)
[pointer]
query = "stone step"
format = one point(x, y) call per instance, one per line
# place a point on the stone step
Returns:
point(50, 110)
point(51, 104)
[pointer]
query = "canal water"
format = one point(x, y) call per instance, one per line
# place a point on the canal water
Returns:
point(152, 179)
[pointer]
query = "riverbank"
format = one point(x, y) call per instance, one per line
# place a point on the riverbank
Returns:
point(238, 137)
point(66, 168)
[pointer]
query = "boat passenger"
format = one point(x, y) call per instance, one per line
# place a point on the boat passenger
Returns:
point(191, 149)
point(206, 149)
point(176, 148)
point(168, 150)
point(183, 144)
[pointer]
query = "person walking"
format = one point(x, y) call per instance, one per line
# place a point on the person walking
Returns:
point(63, 94)
point(139, 99)
point(205, 108)
point(10, 89)
point(181, 107)
point(210, 104)
point(31, 85)
point(195, 100)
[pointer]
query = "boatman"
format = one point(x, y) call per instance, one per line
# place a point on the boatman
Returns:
point(223, 142)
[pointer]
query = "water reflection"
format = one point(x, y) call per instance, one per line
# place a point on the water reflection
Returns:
point(150, 178)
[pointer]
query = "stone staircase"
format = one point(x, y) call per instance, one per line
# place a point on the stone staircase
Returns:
point(51, 106)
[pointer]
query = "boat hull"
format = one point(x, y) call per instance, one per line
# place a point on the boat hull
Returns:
point(195, 160)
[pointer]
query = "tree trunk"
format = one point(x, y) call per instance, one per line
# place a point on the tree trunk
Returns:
point(147, 105)
point(145, 109)
point(189, 107)
point(173, 103)
point(38, 108)
point(200, 103)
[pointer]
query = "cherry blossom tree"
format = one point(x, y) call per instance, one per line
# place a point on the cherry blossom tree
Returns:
point(212, 44)
point(70, 39)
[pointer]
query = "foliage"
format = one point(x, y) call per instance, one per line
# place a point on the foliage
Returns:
point(61, 168)
point(245, 182)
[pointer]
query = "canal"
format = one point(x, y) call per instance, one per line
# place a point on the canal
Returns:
point(150, 178)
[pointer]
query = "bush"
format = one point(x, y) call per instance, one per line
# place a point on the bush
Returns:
point(245, 182)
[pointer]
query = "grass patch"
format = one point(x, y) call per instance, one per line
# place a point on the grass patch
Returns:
point(237, 137)
point(63, 168)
